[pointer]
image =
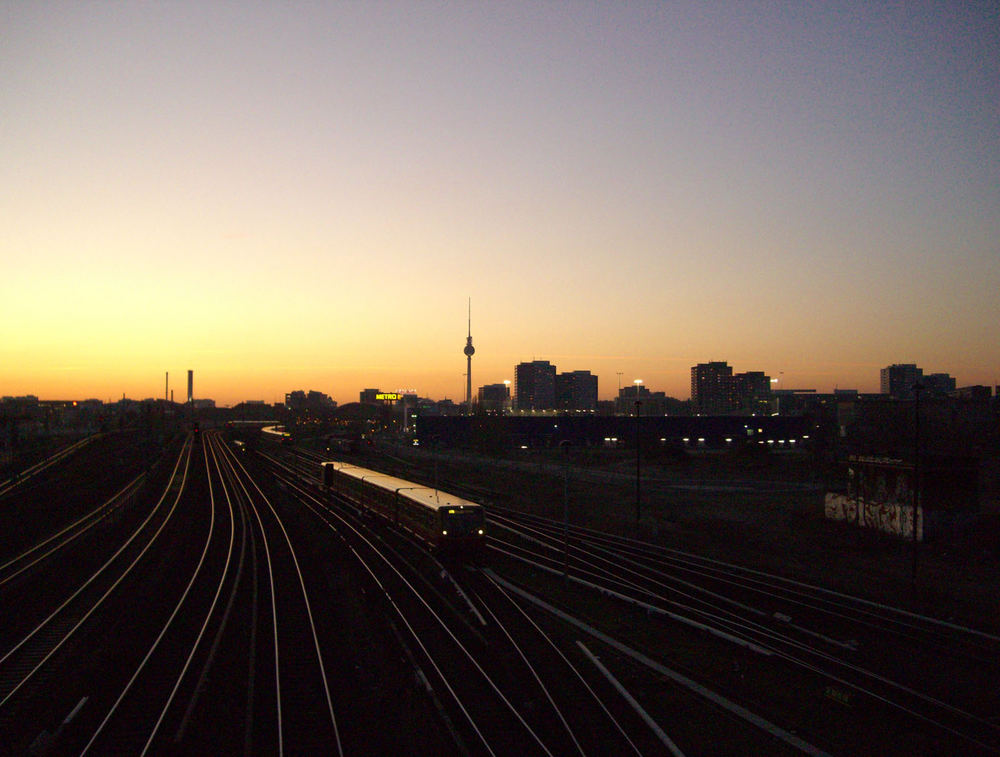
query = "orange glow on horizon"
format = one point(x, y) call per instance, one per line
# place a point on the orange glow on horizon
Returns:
point(307, 201)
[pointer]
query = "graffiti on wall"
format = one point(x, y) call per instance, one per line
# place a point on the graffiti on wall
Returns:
point(879, 496)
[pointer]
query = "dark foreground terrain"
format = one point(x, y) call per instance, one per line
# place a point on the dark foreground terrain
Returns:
point(765, 513)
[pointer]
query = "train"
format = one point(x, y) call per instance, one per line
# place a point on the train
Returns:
point(449, 524)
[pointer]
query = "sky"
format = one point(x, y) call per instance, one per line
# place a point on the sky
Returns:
point(306, 195)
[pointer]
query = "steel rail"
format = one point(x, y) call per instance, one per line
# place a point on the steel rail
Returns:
point(569, 664)
point(534, 674)
point(771, 638)
point(33, 470)
point(93, 516)
point(652, 551)
point(305, 598)
point(159, 637)
point(210, 439)
point(185, 454)
point(503, 698)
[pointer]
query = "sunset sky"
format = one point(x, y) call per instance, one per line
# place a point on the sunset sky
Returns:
point(285, 195)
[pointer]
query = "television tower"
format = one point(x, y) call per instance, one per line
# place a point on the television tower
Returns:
point(469, 352)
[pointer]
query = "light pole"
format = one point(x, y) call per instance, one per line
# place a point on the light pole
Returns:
point(917, 389)
point(565, 445)
point(638, 478)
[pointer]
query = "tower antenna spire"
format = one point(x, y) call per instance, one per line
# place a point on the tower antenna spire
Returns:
point(469, 352)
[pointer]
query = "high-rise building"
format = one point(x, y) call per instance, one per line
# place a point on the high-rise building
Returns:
point(940, 384)
point(899, 379)
point(752, 391)
point(712, 388)
point(535, 385)
point(576, 390)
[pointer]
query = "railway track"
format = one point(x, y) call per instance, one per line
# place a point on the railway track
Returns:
point(444, 649)
point(860, 654)
point(61, 588)
point(548, 666)
point(486, 682)
point(69, 486)
point(242, 608)
point(283, 703)
point(24, 477)
point(161, 625)
point(845, 672)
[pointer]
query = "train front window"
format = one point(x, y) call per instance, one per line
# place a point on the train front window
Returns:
point(462, 522)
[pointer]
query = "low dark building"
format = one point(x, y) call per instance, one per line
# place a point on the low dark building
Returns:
point(693, 432)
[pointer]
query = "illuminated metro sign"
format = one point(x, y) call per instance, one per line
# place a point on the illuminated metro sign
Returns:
point(388, 397)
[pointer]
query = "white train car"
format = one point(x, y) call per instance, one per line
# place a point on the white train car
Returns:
point(448, 523)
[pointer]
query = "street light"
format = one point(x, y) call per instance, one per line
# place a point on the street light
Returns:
point(638, 499)
point(917, 389)
point(565, 445)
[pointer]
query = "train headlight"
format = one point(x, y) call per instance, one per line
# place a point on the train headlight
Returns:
point(480, 532)
point(444, 533)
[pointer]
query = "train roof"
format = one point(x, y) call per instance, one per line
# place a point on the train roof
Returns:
point(424, 495)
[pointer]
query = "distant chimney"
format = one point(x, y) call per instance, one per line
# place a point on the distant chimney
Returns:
point(190, 386)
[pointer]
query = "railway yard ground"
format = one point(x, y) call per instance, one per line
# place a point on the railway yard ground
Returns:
point(764, 513)
point(193, 594)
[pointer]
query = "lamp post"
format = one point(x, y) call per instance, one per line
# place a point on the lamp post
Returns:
point(565, 444)
point(917, 389)
point(638, 479)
